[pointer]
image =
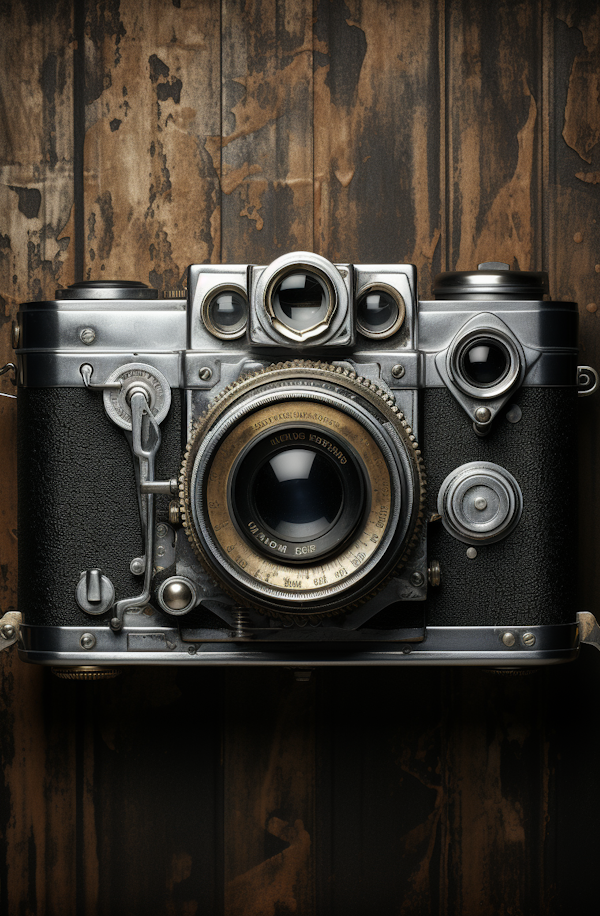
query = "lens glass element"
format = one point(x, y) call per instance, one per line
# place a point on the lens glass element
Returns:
point(298, 494)
point(227, 314)
point(378, 313)
point(300, 300)
point(484, 362)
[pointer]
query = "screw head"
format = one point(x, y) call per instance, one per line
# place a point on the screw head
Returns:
point(480, 503)
point(483, 414)
point(471, 553)
point(508, 639)
point(137, 566)
point(87, 336)
point(529, 640)
point(205, 374)
point(417, 579)
point(160, 551)
point(398, 371)
point(161, 531)
point(87, 641)
point(8, 631)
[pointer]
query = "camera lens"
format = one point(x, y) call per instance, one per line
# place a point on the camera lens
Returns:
point(298, 488)
point(302, 490)
point(300, 300)
point(484, 362)
point(226, 314)
point(297, 494)
point(379, 313)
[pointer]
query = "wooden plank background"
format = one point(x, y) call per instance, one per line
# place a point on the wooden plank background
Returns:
point(140, 136)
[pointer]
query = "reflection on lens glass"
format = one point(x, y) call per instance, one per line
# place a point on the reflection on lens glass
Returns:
point(300, 300)
point(485, 362)
point(228, 313)
point(298, 494)
point(377, 312)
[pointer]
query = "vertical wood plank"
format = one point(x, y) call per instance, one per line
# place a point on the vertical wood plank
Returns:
point(377, 133)
point(381, 796)
point(572, 55)
point(36, 255)
point(494, 747)
point(266, 146)
point(269, 780)
point(151, 198)
point(151, 207)
point(265, 155)
point(572, 237)
point(494, 155)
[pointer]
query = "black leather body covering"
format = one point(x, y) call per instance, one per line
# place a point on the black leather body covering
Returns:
point(529, 578)
point(77, 500)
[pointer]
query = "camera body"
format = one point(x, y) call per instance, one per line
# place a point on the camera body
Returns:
point(298, 464)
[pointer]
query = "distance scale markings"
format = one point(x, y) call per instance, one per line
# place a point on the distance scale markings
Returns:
point(320, 579)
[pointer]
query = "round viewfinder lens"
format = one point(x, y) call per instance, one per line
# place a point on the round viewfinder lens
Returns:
point(227, 314)
point(378, 313)
point(300, 300)
point(298, 494)
point(485, 363)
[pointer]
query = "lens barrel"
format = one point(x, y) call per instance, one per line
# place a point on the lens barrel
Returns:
point(302, 490)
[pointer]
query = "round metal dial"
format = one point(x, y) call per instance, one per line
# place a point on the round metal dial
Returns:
point(303, 411)
point(480, 503)
point(137, 375)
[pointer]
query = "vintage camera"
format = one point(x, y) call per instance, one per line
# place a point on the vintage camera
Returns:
point(299, 464)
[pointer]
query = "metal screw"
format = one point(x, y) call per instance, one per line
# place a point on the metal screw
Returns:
point(87, 641)
point(434, 573)
point(191, 650)
point(137, 566)
point(480, 503)
point(508, 639)
point(529, 640)
point(205, 373)
point(483, 414)
point(160, 551)
point(471, 553)
point(87, 336)
point(406, 650)
point(398, 371)
point(8, 631)
point(417, 579)
point(161, 531)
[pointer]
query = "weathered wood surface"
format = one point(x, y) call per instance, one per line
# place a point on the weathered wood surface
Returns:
point(141, 136)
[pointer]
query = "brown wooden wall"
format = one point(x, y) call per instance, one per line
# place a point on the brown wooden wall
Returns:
point(141, 136)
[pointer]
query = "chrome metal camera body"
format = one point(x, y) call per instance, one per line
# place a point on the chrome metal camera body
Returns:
point(299, 464)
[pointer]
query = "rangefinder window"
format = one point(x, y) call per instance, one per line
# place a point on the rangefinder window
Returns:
point(225, 313)
point(380, 312)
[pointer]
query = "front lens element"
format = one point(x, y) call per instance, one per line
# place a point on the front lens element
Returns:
point(484, 363)
point(300, 300)
point(298, 494)
point(379, 313)
point(226, 314)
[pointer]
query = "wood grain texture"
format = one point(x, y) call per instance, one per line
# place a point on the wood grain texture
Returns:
point(377, 133)
point(494, 150)
point(151, 198)
point(269, 793)
point(266, 146)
